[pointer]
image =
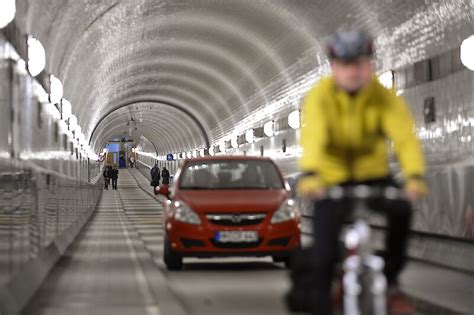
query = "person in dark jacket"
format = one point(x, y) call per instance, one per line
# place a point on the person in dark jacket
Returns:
point(153, 170)
point(114, 175)
point(155, 176)
point(165, 174)
point(106, 174)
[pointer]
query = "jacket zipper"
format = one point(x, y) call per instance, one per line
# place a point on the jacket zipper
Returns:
point(349, 151)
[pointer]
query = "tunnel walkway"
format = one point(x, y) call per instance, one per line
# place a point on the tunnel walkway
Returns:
point(115, 267)
point(100, 273)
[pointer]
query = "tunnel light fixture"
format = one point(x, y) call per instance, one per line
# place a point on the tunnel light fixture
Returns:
point(81, 139)
point(66, 109)
point(62, 126)
point(386, 79)
point(40, 92)
point(36, 56)
point(52, 111)
point(72, 122)
point(467, 52)
point(78, 131)
point(234, 142)
point(294, 119)
point(69, 135)
point(94, 157)
point(56, 90)
point(249, 136)
point(7, 12)
point(269, 129)
point(75, 144)
point(211, 151)
point(91, 154)
point(221, 147)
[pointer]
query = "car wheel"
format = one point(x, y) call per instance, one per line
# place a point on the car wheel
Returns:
point(173, 261)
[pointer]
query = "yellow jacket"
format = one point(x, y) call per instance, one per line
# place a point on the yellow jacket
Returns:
point(345, 137)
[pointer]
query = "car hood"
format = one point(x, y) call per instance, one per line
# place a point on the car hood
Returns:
point(233, 201)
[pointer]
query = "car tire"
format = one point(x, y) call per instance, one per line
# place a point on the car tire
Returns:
point(285, 260)
point(173, 261)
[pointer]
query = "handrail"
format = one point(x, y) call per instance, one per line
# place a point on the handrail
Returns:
point(145, 164)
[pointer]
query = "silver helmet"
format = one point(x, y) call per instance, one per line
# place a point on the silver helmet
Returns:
point(349, 45)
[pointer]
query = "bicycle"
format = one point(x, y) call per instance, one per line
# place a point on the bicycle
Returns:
point(364, 282)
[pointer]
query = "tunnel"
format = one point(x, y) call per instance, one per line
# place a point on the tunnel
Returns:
point(89, 88)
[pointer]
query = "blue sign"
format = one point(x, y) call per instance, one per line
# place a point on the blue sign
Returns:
point(169, 157)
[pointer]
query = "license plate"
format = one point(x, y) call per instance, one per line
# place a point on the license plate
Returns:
point(236, 236)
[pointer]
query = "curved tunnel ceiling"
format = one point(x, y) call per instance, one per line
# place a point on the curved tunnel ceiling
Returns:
point(169, 129)
point(208, 57)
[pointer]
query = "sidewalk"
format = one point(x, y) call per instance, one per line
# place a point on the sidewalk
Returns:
point(439, 286)
point(100, 273)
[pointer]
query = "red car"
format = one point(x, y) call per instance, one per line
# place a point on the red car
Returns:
point(230, 206)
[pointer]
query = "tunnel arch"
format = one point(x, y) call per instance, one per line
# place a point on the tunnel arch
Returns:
point(152, 104)
point(162, 136)
point(250, 41)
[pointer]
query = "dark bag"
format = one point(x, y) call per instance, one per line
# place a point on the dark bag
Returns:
point(155, 182)
point(300, 296)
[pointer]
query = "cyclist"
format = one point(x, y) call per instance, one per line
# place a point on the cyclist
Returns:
point(347, 119)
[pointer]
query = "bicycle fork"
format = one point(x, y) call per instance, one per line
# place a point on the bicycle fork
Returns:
point(354, 267)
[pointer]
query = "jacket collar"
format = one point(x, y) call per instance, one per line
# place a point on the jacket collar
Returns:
point(362, 96)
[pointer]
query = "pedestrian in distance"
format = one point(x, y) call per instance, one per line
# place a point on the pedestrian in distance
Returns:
point(155, 176)
point(106, 174)
point(114, 175)
point(165, 175)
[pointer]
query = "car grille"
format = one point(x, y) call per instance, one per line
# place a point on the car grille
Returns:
point(235, 219)
point(189, 243)
point(282, 241)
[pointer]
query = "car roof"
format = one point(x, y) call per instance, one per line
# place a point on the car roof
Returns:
point(228, 158)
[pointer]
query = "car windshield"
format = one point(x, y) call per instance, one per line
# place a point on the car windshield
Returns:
point(235, 174)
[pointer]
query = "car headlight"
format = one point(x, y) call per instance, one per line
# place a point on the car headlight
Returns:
point(287, 211)
point(183, 213)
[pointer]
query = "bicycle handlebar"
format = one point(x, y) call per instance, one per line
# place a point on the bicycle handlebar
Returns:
point(365, 192)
